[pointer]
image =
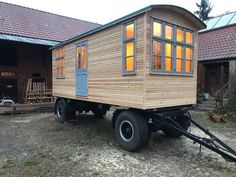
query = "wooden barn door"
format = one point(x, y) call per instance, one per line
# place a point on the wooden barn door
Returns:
point(81, 71)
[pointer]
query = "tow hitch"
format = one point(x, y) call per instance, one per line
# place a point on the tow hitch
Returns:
point(211, 142)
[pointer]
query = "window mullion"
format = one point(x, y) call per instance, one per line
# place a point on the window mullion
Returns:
point(163, 56)
point(184, 63)
point(174, 49)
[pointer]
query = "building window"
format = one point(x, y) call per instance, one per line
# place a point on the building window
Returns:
point(172, 48)
point(129, 48)
point(60, 63)
point(8, 74)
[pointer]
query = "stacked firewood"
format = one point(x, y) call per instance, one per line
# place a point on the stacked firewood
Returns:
point(37, 92)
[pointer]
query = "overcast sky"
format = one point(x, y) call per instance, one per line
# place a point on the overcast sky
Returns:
point(104, 11)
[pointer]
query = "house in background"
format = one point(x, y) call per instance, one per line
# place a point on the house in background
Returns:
point(25, 38)
point(217, 56)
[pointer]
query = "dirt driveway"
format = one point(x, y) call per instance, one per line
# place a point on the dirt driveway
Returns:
point(36, 145)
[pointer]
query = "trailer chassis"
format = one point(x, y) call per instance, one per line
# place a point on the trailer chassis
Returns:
point(164, 119)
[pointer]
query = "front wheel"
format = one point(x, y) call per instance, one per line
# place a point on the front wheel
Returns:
point(131, 130)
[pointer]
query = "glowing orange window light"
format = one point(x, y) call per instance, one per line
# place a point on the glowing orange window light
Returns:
point(84, 62)
point(188, 63)
point(129, 49)
point(130, 31)
point(168, 54)
point(168, 50)
point(180, 35)
point(189, 37)
point(157, 29)
point(188, 54)
point(129, 63)
point(179, 58)
point(169, 32)
point(157, 54)
point(157, 48)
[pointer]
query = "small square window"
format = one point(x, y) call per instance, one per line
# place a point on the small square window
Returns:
point(179, 58)
point(129, 64)
point(180, 35)
point(157, 29)
point(157, 55)
point(129, 49)
point(188, 63)
point(129, 31)
point(188, 53)
point(168, 57)
point(189, 37)
point(168, 32)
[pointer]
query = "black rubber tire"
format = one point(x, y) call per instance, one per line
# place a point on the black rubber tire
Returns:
point(62, 114)
point(139, 136)
point(183, 121)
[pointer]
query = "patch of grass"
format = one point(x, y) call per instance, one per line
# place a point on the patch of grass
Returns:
point(31, 163)
point(230, 105)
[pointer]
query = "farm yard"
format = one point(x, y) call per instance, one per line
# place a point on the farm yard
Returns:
point(36, 145)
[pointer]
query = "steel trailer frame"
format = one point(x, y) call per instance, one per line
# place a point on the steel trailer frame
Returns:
point(213, 143)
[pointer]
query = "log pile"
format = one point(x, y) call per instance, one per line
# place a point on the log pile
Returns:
point(37, 92)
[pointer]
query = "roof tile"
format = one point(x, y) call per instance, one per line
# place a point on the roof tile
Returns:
point(27, 22)
point(217, 44)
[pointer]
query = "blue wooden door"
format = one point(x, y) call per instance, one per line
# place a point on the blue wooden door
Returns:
point(81, 71)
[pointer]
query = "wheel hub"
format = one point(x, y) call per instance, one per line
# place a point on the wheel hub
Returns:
point(59, 111)
point(126, 130)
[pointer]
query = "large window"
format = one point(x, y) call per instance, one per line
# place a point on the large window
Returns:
point(129, 48)
point(60, 63)
point(172, 48)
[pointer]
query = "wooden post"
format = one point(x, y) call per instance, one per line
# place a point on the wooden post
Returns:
point(221, 76)
point(232, 78)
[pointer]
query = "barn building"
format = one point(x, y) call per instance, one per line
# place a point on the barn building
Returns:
point(26, 35)
point(217, 56)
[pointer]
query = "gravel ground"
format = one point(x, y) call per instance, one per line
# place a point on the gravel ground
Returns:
point(37, 145)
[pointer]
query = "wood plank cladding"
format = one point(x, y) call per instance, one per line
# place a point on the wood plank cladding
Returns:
point(169, 90)
point(106, 82)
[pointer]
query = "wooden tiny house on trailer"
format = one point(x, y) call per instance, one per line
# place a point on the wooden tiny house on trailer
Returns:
point(123, 63)
point(143, 61)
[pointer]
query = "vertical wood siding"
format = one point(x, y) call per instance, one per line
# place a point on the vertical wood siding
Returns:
point(168, 90)
point(106, 83)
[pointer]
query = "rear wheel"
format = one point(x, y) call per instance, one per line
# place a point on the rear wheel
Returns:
point(62, 113)
point(131, 130)
point(183, 121)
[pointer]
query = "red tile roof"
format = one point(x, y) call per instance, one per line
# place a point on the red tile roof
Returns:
point(217, 44)
point(27, 22)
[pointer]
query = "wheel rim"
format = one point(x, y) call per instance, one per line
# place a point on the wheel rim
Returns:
point(126, 130)
point(59, 111)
